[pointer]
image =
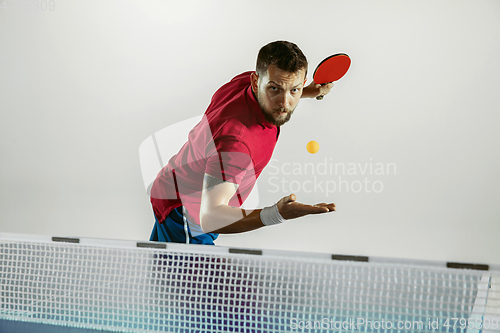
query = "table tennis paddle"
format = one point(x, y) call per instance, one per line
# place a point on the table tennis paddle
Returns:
point(331, 69)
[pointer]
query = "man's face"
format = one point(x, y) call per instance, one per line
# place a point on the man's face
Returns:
point(278, 93)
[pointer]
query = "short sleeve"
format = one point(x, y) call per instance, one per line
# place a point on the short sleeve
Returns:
point(231, 162)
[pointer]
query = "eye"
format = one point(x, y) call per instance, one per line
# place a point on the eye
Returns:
point(272, 88)
point(294, 90)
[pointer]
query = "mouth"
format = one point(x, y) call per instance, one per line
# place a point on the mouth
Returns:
point(281, 113)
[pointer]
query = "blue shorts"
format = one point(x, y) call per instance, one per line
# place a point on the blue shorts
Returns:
point(175, 228)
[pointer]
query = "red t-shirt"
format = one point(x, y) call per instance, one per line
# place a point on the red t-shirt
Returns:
point(233, 142)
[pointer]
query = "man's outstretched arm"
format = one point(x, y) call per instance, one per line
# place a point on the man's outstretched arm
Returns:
point(218, 217)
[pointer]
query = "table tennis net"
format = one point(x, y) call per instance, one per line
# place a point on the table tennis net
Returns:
point(213, 289)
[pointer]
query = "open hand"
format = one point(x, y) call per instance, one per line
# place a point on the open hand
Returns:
point(289, 208)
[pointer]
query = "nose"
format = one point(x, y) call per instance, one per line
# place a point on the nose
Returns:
point(284, 100)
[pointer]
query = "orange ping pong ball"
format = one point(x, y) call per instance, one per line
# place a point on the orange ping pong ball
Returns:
point(312, 147)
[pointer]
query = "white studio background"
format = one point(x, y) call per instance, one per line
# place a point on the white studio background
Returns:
point(416, 118)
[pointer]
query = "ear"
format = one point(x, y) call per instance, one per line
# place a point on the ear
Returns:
point(254, 79)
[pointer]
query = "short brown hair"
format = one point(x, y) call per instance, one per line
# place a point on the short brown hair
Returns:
point(286, 56)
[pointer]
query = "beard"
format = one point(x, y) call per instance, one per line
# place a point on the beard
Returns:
point(269, 114)
point(277, 121)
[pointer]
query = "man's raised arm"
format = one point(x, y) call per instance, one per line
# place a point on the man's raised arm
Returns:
point(314, 90)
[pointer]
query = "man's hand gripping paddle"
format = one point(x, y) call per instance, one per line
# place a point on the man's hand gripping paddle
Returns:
point(331, 69)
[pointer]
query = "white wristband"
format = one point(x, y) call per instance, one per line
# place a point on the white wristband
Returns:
point(271, 215)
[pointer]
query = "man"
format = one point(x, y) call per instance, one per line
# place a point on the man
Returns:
point(199, 193)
